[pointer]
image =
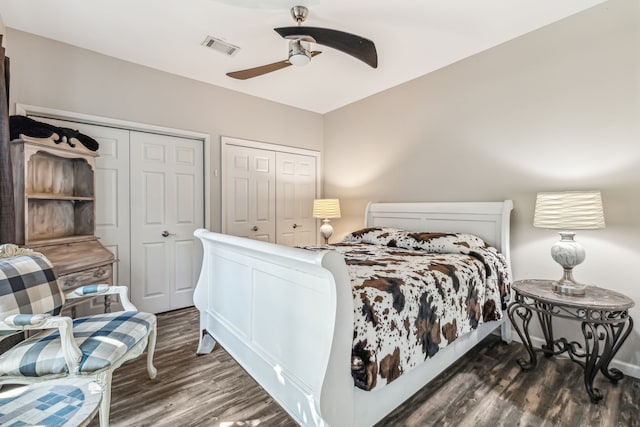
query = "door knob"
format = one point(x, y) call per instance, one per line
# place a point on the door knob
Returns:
point(255, 228)
point(296, 226)
point(165, 233)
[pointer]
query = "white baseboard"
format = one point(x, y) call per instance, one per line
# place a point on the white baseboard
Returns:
point(626, 368)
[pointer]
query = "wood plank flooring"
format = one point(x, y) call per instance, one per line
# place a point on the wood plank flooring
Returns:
point(485, 388)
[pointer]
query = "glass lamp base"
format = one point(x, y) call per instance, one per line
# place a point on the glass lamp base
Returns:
point(326, 230)
point(566, 287)
point(568, 253)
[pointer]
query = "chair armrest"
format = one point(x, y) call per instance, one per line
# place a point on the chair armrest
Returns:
point(103, 289)
point(64, 325)
point(19, 321)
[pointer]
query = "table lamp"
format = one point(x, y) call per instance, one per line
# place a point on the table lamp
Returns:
point(568, 210)
point(326, 209)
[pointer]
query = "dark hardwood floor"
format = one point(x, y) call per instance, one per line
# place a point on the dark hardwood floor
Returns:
point(485, 388)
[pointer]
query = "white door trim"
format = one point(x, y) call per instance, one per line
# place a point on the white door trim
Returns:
point(228, 140)
point(53, 113)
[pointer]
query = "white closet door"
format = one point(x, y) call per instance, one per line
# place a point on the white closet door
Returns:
point(295, 191)
point(249, 193)
point(112, 194)
point(166, 208)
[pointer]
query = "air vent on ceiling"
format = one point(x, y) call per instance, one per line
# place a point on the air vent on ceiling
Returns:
point(220, 46)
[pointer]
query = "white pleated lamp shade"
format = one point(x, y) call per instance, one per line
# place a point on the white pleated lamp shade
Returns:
point(326, 208)
point(569, 210)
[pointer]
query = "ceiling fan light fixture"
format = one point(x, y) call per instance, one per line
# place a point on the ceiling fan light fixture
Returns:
point(299, 59)
point(298, 55)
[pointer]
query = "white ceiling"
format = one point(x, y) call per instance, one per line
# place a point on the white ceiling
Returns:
point(413, 38)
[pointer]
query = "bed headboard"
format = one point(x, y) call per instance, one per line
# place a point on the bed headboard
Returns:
point(487, 220)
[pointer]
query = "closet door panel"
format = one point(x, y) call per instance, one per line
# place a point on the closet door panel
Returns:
point(167, 207)
point(186, 202)
point(154, 271)
point(249, 193)
point(295, 191)
point(112, 196)
point(189, 216)
point(186, 273)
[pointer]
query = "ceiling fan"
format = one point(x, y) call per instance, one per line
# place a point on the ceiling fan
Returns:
point(298, 36)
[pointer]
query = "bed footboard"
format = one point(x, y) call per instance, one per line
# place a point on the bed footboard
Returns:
point(280, 313)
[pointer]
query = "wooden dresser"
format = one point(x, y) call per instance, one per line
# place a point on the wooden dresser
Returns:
point(54, 187)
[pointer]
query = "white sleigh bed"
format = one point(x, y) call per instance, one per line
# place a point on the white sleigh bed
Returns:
point(286, 314)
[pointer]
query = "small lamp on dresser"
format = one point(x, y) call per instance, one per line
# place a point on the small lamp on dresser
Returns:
point(326, 209)
point(569, 210)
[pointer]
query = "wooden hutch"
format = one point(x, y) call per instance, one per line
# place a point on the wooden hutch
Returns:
point(54, 187)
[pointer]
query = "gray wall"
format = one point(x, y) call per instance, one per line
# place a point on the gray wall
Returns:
point(49, 74)
point(556, 109)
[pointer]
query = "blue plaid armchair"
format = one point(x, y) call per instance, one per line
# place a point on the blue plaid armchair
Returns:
point(93, 346)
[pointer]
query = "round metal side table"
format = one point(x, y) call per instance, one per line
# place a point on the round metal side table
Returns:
point(602, 313)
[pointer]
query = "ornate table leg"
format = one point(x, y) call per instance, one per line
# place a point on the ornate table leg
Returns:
point(620, 334)
point(610, 337)
point(524, 312)
point(544, 316)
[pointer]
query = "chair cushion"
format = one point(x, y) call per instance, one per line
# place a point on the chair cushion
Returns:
point(102, 338)
point(28, 285)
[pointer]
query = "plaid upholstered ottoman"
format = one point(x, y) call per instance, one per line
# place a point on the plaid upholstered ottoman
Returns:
point(56, 403)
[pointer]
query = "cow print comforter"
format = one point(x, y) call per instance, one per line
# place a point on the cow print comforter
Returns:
point(415, 293)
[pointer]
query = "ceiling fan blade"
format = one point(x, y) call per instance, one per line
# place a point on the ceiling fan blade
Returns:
point(258, 71)
point(356, 46)
point(264, 69)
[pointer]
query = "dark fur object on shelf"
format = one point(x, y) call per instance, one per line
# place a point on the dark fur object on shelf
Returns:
point(23, 125)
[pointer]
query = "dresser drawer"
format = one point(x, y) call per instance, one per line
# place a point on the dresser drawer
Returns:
point(101, 274)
